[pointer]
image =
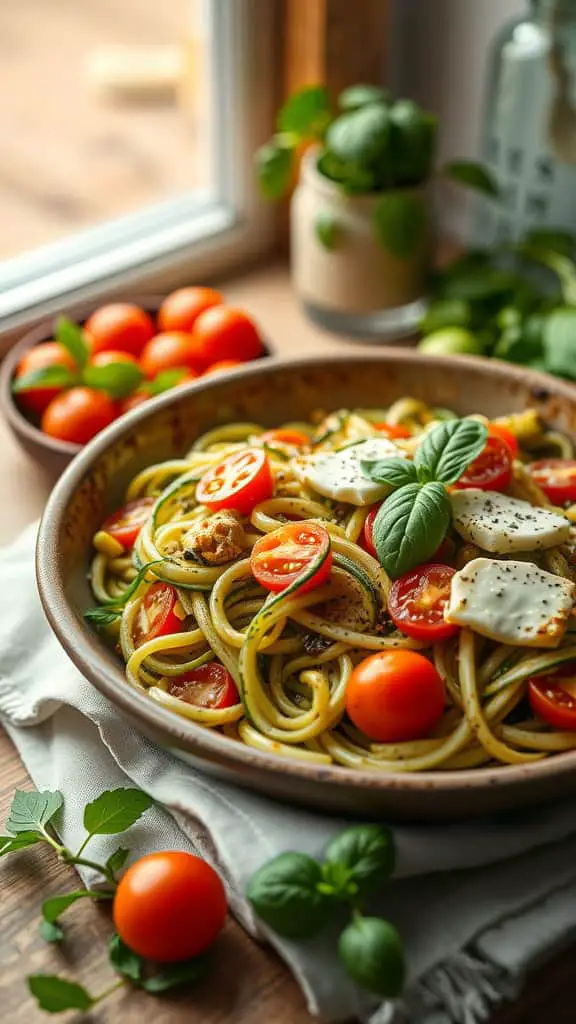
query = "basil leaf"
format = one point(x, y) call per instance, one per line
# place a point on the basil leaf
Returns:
point(115, 810)
point(284, 894)
point(410, 525)
point(552, 239)
point(400, 221)
point(367, 851)
point(187, 973)
point(306, 113)
point(395, 472)
point(356, 96)
point(117, 860)
point(445, 313)
point(559, 340)
point(49, 377)
point(117, 379)
point(274, 166)
point(413, 143)
point(56, 994)
point(125, 960)
point(50, 931)
point(361, 136)
point(449, 448)
point(31, 810)
point(56, 905)
point(472, 175)
point(107, 613)
point(327, 231)
point(71, 337)
point(353, 180)
point(372, 953)
point(165, 380)
point(10, 844)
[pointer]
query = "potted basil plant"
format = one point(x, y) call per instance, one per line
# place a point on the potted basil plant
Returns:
point(360, 213)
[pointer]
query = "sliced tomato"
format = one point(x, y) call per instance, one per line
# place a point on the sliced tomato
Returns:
point(392, 430)
point(553, 697)
point(557, 478)
point(156, 616)
point(368, 530)
point(417, 602)
point(125, 524)
point(297, 549)
point(286, 435)
point(492, 470)
point(506, 435)
point(240, 482)
point(208, 686)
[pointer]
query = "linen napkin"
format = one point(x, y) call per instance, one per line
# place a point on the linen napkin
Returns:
point(477, 903)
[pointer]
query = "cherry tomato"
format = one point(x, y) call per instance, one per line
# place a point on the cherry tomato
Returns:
point(286, 435)
point(491, 471)
point(557, 478)
point(506, 435)
point(222, 333)
point(156, 616)
point(417, 601)
point(111, 356)
point(280, 557)
point(240, 482)
point(223, 366)
point(395, 696)
point(125, 524)
point(49, 353)
point(120, 326)
point(133, 401)
point(208, 686)
point(181, 308)
point(553, 697)
point(173, 351)
point(78, 414)
point(392, 430)
point(169, 906)
point(368, 531)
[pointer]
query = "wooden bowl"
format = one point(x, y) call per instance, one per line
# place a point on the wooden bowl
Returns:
point(272, 392)
point(52, 454)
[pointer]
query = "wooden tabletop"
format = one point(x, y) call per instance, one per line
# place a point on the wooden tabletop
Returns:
point(249, 984)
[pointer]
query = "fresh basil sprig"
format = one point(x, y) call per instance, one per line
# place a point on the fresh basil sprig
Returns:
point(109, 611)
point(412, 522)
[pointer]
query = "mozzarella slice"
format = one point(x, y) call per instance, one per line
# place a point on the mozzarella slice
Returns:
point(497, 523)
point(339, 475)
point(511, 602)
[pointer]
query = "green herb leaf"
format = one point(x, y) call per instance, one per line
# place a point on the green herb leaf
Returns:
point(56, 994)
point(284, 894)
point(190, 972)
point(107, 613)
point(115, 810)
point(10, 844)
point(337, 881)
point(410, 526)
point(353, 180)
point(327, 230)
point(445, 313)
point(449, 448)
point(562, 266)
point(472, 175)
point(356, 96)
point(56, 905)
point(117, 860)
point(372, 953)
point(31, 810)
point(361, 136)
point(306, 113)
point(101, 617)
point(552, 239)
point(165, 380)
point(400, 221)
point(125, 960)
point(71, 337)
point(51, 931)
point(367, 852)
point(394, 472)
point(274, 166)
point(117, 379)
point(49, 377)
point(413, 143)
point(559, 340)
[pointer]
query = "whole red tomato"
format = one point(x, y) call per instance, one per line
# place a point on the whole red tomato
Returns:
point(119, 326)
point(49, 353)
point(222, 333)
point(78, 414)
point(170, 351)
point(181, 308)
point(112, 356)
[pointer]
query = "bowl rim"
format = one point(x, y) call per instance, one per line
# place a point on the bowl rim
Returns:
point(86, 649)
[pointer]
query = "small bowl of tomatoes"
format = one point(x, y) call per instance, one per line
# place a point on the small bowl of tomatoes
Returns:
point(70, 377)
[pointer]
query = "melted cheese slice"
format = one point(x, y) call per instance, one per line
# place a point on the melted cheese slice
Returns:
point(497, 523)
point(511, 602)
point(339, 475)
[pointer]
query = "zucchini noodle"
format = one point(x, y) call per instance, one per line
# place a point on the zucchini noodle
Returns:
point(290, 653)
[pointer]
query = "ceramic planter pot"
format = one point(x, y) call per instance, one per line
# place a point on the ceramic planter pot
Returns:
point(348, 282)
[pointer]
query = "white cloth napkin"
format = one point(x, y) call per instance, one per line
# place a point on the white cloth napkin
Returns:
point(477, 903)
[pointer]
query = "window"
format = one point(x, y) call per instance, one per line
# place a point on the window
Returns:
point(128, 143)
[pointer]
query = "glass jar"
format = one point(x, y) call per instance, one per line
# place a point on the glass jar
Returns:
point(529, 131)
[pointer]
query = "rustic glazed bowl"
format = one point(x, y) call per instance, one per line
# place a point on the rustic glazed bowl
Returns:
point(272, 392)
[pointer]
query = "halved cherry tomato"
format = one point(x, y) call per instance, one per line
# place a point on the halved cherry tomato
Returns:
point(557, 478)
point(108, 356)
point(181, 308)
point(286, 435)
point(174, 350)
point(417, 601)
point(169, 906)
point(368, 532)
point(49, 353)
point(392, 430)
point(119, 326)
point(395, 696)
point(491, 471)
point(506, 435)
point(78, 414)
point(553, 697)
point(280, 557)
point(156, 616)
point(240, 482)
point(208, 686)
point(125, 524)
point(222, 333)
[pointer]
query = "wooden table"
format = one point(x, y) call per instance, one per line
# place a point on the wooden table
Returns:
point(249, 984)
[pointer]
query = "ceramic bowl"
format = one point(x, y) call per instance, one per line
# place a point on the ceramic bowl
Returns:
point(271, 392)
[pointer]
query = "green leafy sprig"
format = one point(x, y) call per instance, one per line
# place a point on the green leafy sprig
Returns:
point(109, 611)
